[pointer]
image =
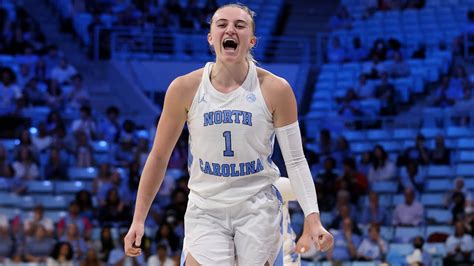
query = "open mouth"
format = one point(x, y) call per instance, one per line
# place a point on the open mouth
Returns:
point(229, 44)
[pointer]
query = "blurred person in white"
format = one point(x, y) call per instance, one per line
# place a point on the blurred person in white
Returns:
point(411, 177)
point(399, 67)
point(110, 127)
point(43, 140)
point(373, 247)
point(161, 257)
point(25, 168)
point(55, 98)
point(346, 241)
point(82, 150)
point(6, 248)
point(36, 218)
point(418, 256)
point(336, 53)
point(85, 122)
point(63, 72)
point(459, 246)
point(410, 212)
point(382, 167)
point(75, 239)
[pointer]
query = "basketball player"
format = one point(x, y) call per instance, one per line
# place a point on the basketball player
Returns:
point(233, 110)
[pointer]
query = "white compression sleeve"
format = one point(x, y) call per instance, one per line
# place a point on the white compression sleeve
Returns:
point(289, 139)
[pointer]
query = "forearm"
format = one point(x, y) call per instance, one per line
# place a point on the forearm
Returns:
point(150, 182)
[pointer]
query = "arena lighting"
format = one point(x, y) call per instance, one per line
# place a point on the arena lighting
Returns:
point(102, 143)
point(33, 130)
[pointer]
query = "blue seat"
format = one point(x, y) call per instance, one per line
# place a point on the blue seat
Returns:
point(384, 186)
point(465, 143)
point(391, 146)
point(4, 183)
point(431, 132)
point(354, 135)
point(360, 147)
point(69, 187)
point(10, 213)
point(439, 171)
point(384, 200)
point(100, 146)
point(87, 173)
point(364, 263)
point(55, 216)
point(466, 156)
point(439, 216)
point(457, 132)
point(379, 135)
point(397, 199)
point(440, 185)
point(438, 229)
point(51, 202)
point(8, 199)
point(406, 234)
point(40, 187)
point(408, 134)
point(9, 144)
point(27, 202)
point(469, 183)
point(436, 250)
point(465, 170)
point(397, 253)
point(433, 199)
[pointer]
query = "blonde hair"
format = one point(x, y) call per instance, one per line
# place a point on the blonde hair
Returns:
point(251, 13)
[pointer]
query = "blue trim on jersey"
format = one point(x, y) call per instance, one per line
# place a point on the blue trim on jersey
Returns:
point(272, 142)
point(280, 259)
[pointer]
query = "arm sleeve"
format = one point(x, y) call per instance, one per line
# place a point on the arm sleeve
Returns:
point(289, 139)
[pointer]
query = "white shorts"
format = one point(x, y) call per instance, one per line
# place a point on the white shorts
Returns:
point(248, 233)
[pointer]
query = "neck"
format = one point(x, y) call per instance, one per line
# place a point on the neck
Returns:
point(227, 77)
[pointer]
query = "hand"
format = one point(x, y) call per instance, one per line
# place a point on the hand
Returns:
point(133, 239)
point(322, 239)
point(303, 243)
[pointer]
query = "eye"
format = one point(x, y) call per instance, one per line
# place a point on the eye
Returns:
point(240, 26)
point(222, 25)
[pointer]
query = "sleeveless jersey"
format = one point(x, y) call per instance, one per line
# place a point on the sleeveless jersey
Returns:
point(231, 137)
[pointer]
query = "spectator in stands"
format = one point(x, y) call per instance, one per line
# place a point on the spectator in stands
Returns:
point(6, 169)
point(166, 236)
point(419, 256)
point(459, 76)
point(412, 178)
point(373, 247)
point(53, 121)
point(73, 237)
point(91, 259)
point(85, 123)
point(128, 131)
point(35, 219)
point(54, 96)
point(357, 53)
point(84, 226)
point(52, 59)
point(34, 96)
point(103, 179)
point(336, 53)
point(342, 150)
point(456, 199)
point(410, 212)
point(420, 52)
point(105, 244)
point(352, 180)
point(63, 72)
point(445, 95)
point(346, 242)
point(386, 93)
point(398, 68)
point(84, 199)
point(62, 255)
point(141, 151)
point(79, 96)
point(42, 140)
point(161, 258)
point(125, 152)
point(134, 173)
point(39, 247)
point(382, 167)
point(326, 181)
point(374, 68)
point(40, 71)
point(115, 211)
point(325, 144)
point(364, 90)
point(10, 92)
point(25, 168)
point(7, 246)
point(24, 75)
point(178, 156)
point(418, 153)
point(459, 246)
point(375, 213)
point(342, 19)
point(366, 162)
point(56, 167)
point(350, 107)
point(440, 155)
point(379, 50)
point(344, 209)
point(82, 150)
point(109, 128)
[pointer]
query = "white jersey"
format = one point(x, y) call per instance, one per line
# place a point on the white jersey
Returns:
point(231, 137)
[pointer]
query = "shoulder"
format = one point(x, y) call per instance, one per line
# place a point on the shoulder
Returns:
point(276, 90)
point(183, 88)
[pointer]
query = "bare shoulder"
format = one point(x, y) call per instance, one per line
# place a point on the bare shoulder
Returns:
point(184, 87)
point(274, 88)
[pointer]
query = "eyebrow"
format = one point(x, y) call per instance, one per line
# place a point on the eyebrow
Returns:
point(226, 20)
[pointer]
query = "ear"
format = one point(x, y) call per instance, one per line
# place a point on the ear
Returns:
point(253, 42)
point(209, 38)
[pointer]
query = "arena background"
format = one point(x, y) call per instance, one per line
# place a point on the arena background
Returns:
point(384, 89)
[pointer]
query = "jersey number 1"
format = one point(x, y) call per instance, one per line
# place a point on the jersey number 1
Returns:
point(228, 152)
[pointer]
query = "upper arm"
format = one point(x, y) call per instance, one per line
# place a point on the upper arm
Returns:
point(172, 118)
point(283, 103)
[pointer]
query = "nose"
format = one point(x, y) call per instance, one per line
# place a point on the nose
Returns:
point(230, 29)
